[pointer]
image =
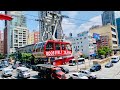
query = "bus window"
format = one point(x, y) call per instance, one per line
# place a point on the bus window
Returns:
point(68, 47)
point(63, 47)
point(49, 46)
point(57, 46)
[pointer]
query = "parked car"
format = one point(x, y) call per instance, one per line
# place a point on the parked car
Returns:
point(114, 59)
point(108, 65)
point(95, 67)
point(23, 72)
point(1, 67)
point(28, 65)
point(15, 66)
point(64, 69)
point(34, 68)
point(7, 72)
point(77, 76)
point(88, 74)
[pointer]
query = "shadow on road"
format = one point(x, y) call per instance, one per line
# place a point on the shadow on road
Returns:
point(36, 77)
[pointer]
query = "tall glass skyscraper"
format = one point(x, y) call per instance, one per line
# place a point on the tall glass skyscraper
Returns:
point(108, 17)
point(118, 29)
point(16, 31)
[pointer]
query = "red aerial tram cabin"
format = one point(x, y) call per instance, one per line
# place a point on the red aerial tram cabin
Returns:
point(52, 49)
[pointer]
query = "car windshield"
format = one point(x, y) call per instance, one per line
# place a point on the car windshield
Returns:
point(88, 72)
point(113, 58)
point(58, 71)
point(80, 75)
point(26, 71)
point(8, 71)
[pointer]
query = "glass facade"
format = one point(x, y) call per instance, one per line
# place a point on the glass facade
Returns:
point(108, 17)
point(118, 29)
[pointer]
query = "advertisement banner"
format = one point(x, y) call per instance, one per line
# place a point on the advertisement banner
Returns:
point(96, 36)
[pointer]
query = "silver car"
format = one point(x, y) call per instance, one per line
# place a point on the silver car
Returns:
point(77, 76)
point(88, 74)
point(7, 72)
point(23, 72)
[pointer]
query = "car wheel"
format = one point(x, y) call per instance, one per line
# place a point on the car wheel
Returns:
point(70, 78)
point(90, 77)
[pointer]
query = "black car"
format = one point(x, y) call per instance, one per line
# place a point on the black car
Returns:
point(108, 65)
point(95, 67)
point(28, 65)
point(65, 70)
point(34, 67)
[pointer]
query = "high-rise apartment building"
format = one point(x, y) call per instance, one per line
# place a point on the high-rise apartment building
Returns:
point(84, 43)
point(43, 14)
point(33, 37)
point(1, 43)
point(108, 17)
point(118, 29)
point(111, 32)
point(16, 32)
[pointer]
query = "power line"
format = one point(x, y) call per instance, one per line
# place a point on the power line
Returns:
point(67, 18)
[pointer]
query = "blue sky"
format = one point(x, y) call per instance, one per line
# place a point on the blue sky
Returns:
point(79, 20)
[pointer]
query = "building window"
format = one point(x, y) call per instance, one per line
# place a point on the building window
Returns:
point(81, 42)
point(82, 49)
point(78, 46)
point(114, 42)
point(84, 37)
point(74, 46)
point(113, 29)
point(77, 42)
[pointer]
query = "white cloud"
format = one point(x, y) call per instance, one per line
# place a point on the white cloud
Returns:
point(72, 14)
point(69, 26)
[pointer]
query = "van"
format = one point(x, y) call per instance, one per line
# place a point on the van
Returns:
point(23, 72)
point(114, 59)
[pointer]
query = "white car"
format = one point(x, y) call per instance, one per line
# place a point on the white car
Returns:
point(6, 72)
point(88, 74)
point(77, 76)
point(23, 72)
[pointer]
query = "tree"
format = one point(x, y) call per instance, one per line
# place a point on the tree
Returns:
point(104, 51)
point(26, 57)
point(2, 56)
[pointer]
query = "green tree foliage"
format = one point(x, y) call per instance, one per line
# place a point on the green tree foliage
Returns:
point(104, 51)
point(26, 56)
point(2, 56)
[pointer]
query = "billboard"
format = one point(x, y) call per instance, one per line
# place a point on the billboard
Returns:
point(96, 36)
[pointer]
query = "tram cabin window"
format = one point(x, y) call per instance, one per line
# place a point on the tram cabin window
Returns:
point(49, 46)
point(57, 46)
point(68, 47)
point(63, 47)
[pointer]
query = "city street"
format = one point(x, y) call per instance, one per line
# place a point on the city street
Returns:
point(109, 73)
point(34, 75)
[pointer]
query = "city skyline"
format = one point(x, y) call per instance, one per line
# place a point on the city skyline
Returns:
point(77, 22)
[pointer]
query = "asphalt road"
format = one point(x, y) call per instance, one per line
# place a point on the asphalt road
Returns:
point(109, 73)
point(34, 75)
